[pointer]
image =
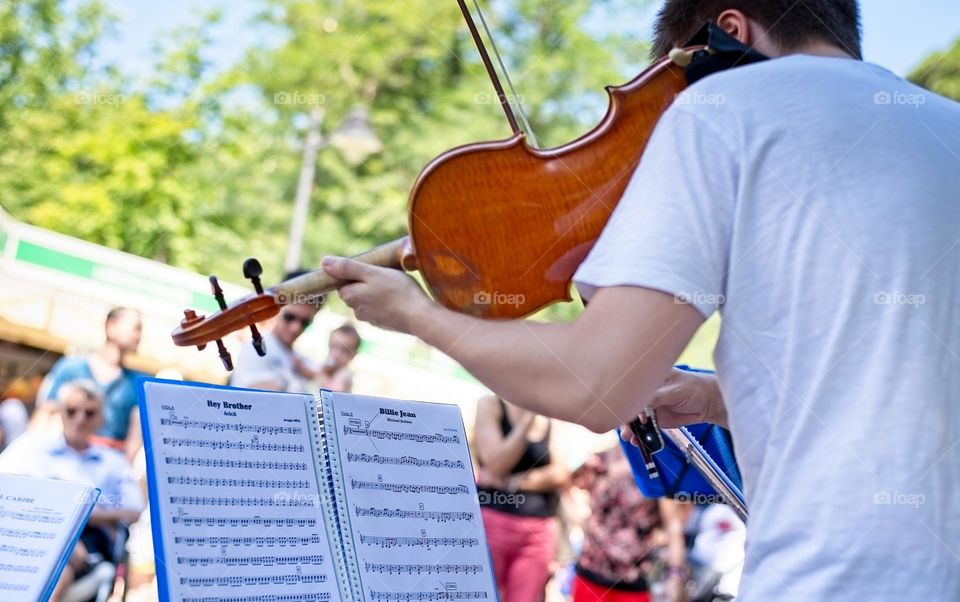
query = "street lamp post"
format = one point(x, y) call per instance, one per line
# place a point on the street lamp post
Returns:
point(355, 140)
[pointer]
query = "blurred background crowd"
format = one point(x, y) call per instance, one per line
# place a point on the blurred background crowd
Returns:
point(560, 524)
point(145, 144)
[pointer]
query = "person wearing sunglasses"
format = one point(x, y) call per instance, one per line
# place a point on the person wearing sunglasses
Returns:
point(279, 369)
point(73, 455)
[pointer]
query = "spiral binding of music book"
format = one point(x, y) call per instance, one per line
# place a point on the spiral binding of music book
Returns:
point(325, 439)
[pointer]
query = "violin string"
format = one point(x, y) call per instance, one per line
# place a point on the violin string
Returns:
point(506, 76)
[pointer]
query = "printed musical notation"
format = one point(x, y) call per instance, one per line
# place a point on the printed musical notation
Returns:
point(423, 569)
point(280, 499)
point(257, 541)
point(411, 500)
point(32, 517)
point(228, 463)
point(220, 427)
point(401, 436)
point(242, 581)
point(238, 445)
point(25, 534)
point(440, 517)
point(315, 597)
point(296, 559)
point(444, 595)
point(410, 487)
point(256, 521)
point(422, 542)
point(18, 568)
point(22, 552)
point(258, 483)
point(238, 496)
point(405, 461)
point(38, 519)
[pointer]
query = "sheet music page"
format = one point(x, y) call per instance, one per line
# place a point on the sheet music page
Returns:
point(38, 520)
point(237, 494)
point(412, 500)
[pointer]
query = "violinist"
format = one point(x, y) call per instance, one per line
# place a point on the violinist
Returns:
point(812, 200)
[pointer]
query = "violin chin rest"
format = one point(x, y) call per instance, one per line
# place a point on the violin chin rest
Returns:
point(681, 57)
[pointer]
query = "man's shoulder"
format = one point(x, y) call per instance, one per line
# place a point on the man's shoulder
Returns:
point(779, 83)
point(27, 449)
point(113, 458)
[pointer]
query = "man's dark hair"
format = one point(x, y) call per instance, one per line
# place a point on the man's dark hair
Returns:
point(117, 312)
point(790, 23)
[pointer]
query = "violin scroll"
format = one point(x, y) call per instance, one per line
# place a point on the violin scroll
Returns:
point(197, 330)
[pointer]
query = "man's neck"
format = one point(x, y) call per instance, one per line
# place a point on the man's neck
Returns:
point(818, 48)
point(110, 354)
point(80, 446)
point(282, 342)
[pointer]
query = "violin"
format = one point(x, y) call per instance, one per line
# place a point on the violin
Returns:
point(496, 229)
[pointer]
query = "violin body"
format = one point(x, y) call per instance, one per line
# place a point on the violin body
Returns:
point(499, 228)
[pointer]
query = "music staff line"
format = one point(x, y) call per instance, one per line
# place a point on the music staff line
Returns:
point(256, 521)
point(23, 552)
point(262, 429)
point(33, 517)
point(314, 559)
point(439, 516)
point(445, 595)
point(398, 436)
point(222, 482)
point(21, 534)
point(324, 597)
point(291, 579)
point(281, 499)
point(18, 568)
point(421, 569)
point(259, 541)
point(404, 461)
point(410, 487)
point(426, 542)
point(221, 463)
point(239, 445)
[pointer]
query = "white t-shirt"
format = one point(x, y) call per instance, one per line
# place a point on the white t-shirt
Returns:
point(276, 366)
point(816, 203)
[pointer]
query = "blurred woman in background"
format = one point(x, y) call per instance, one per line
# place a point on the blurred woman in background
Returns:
point(628, 539)
point(519, 479)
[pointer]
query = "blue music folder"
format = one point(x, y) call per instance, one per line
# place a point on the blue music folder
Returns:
point(678, 478)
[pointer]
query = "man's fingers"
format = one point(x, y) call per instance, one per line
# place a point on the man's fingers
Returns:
point(342, 268)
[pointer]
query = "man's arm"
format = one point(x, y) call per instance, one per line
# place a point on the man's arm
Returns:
point(598, 371)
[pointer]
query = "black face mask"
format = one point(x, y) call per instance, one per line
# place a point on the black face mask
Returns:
point(725, 52)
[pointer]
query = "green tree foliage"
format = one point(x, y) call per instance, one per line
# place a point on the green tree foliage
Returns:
point(940, 72)
point(198, 168)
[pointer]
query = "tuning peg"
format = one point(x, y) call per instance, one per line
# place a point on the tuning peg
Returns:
point(224, 356)
point(190, 318)
point(217, 292)
point(258, 343)
point(252, 270)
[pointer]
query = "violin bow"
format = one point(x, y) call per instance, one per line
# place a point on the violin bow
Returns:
point(504, 100)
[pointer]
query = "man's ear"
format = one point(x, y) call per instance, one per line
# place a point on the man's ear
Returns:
point(748, 32)
point(736, 24)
